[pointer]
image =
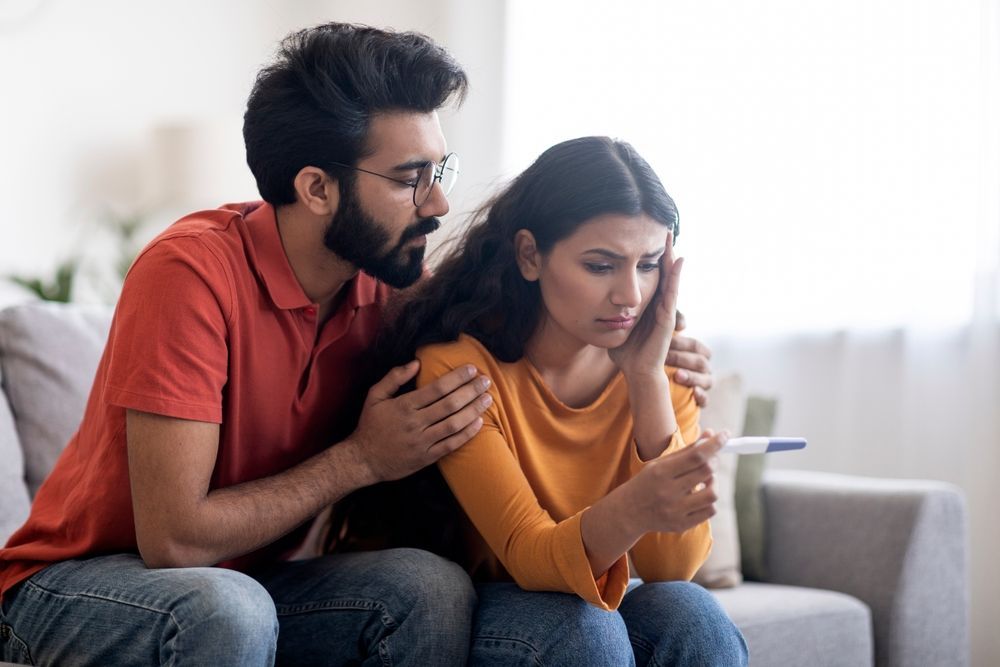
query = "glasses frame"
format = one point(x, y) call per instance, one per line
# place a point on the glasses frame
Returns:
point(438, 167)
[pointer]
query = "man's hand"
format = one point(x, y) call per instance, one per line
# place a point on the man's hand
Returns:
point(690, 357)
point(398, 435)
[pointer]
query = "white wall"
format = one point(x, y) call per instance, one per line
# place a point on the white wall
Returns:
point(98, 97)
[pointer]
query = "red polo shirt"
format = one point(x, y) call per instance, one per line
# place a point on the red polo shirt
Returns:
point(211, 326)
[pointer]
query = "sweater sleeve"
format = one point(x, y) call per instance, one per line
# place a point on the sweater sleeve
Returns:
point(674, 556)
point(541, 554)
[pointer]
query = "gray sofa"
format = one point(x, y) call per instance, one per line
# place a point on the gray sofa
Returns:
point(858, 571)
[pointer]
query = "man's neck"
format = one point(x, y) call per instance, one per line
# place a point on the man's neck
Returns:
point(321, 273)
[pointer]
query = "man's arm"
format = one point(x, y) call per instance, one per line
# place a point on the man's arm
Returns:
point(181, 523)
point(690, 357)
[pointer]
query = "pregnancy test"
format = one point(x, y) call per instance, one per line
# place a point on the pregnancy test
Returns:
point(759, 445)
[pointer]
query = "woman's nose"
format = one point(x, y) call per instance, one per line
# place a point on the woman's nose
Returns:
point(626, 292)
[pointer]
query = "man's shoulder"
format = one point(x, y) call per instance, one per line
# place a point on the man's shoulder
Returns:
point(210, 227)
point(208, 238)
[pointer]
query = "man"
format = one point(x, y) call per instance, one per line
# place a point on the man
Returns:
point(229, 406)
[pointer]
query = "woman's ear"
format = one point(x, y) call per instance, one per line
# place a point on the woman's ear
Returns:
point(315, 189)
point(528, 257)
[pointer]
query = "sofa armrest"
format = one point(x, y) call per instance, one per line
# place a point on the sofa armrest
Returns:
point(900, 546)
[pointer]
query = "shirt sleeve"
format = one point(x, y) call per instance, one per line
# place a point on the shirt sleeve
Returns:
point(169, 343)
point(674, 556)
point(541, 554)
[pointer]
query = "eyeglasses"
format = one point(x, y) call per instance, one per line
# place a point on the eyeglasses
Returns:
point(445, 173)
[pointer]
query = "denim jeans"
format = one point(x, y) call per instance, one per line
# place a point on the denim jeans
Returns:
point(397, 607)
point(657, 624)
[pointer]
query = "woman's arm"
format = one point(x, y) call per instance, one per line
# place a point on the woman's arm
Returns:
point(540, 553)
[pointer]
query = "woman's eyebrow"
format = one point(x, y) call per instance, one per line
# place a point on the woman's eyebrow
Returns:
point(604, 252)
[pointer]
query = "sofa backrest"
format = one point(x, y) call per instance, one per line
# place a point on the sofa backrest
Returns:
point(14, 500)
point(48, 356)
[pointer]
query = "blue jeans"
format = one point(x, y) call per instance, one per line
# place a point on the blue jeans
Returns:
point(397, 607)
point(657, 624)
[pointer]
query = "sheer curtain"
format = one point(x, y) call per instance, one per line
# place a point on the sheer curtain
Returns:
point(837, 169)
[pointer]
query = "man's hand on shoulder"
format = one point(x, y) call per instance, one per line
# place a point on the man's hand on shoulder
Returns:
point(398, 435)
point(690, 356)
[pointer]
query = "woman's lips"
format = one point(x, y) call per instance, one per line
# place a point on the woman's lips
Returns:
point(617, 322)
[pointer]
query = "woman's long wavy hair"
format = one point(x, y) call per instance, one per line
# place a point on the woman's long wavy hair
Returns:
point(478, 290)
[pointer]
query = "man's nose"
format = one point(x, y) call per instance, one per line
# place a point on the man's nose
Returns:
point(436, 204)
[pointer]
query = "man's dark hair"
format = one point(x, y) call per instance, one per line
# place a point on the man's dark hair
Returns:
point(313, 105)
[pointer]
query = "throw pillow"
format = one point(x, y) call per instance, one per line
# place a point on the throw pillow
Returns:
point(759, 421)
point(50, 356)
point(725, 410)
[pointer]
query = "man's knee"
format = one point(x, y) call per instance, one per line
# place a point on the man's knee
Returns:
point(432, 586)
point(226, 606)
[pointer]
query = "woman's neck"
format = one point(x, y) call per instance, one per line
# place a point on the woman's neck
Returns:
point(574, 371)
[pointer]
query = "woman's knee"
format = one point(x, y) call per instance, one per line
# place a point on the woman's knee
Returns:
point(681, 623)
point(514, 626)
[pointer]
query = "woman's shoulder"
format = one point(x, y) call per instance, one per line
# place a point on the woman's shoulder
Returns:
point(465, 350)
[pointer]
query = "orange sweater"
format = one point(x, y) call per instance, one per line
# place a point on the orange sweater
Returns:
point(526, 477)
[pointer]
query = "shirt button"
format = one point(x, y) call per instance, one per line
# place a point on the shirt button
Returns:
point(309, 310)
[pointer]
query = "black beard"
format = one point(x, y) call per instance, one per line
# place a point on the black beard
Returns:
point(358, 238)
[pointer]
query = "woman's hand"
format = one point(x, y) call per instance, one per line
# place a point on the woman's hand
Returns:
point(676, 492)
point(669, 495)
point(645, 351)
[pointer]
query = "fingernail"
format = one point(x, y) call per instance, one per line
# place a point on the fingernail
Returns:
point(470, 370)
point(487, 401)
point(483, 383)
point(681, 375)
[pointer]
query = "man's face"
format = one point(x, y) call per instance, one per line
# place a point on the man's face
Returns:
point(377, 228)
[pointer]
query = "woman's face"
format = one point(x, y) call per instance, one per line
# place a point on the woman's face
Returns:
point(597, 282)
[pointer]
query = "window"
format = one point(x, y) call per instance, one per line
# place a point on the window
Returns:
point(833, 161)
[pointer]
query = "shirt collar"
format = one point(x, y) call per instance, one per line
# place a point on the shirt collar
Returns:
point(274, 269)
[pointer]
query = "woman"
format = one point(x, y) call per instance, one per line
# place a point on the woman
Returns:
point(563, 292)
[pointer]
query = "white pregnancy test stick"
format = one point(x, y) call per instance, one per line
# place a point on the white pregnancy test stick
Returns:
point(760, 445)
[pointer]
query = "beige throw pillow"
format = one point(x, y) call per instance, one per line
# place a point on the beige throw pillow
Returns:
point(725, 410)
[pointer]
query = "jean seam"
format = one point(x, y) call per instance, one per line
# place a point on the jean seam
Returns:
point(339, 605)
point(512, 640)
point(640, 641)
point(104, 597)
point(333, 605)
point(20, 643)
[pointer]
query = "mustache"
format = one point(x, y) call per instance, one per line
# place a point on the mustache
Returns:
point(425, 226)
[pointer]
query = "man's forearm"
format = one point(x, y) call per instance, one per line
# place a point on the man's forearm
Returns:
point(232, 521)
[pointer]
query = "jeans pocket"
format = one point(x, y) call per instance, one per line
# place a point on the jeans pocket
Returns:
point(12, 647)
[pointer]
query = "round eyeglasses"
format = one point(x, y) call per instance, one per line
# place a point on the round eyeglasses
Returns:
point(445, 173)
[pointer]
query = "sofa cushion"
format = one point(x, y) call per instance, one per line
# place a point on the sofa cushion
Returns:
point(14, 500)
point(725, 410)
point(788, 625)
point(48, 356)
